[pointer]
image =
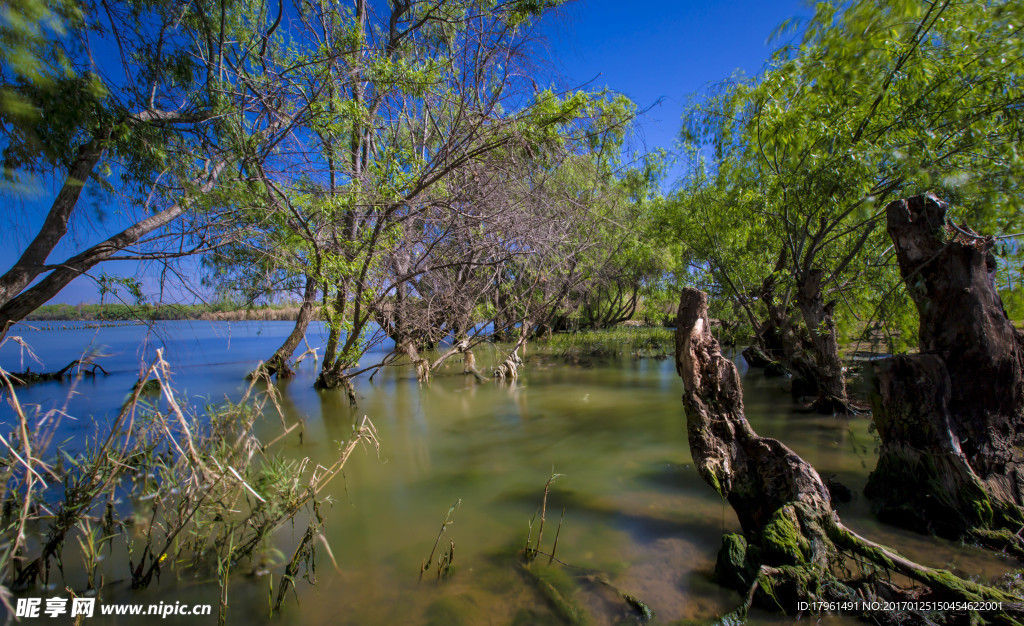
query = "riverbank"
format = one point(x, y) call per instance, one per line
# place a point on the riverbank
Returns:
point(123, 312)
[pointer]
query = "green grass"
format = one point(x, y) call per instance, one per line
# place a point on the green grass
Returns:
point(621, 341)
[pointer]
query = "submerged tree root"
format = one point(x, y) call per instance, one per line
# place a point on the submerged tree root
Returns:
point(558, 588)
point(28, 377)
point(794, 548)
point(276, 366)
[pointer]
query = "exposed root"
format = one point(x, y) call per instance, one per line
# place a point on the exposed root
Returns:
point(328, 381)
point(469, 362)
point(276, 366)
point(756, 357)
point(422, 365)
point(794, 548)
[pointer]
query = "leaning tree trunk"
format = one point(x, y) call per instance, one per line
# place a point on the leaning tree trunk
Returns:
point(950, 418)
point(277, 365)
point(793, 548)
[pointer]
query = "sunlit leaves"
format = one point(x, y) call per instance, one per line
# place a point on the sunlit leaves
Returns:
point(877, 101)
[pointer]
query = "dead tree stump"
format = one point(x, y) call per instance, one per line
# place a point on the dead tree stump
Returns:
point(793, 548)
point(950, 418)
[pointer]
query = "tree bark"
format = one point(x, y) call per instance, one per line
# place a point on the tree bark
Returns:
point(794, 548)
point(828, 368)
point(32, 261)
point(277, 365)
point(757, 475)
point(950, 418)
point(61, 275)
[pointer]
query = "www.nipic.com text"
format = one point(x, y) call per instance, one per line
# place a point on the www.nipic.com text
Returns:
point(86, 607)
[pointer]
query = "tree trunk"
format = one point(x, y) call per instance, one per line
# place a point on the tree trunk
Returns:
point(950, 418)
point(770, 334)
point(422, 365)
point(277, 365)
point(63, 273)
point(793, 548)
point(783, 350)
point(828, 368)
point(333, 378)
point(726, 451)
point(32, 261)
point(509, 368)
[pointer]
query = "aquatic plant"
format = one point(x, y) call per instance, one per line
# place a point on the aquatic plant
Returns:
point(640, 342)
point(162, 487)
point(558, 586)
point(447, 556)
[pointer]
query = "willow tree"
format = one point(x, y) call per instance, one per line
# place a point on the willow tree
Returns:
point(877, 99)
point(403, 138)
point(619, 259)
point(406, 106)
point(155, 126)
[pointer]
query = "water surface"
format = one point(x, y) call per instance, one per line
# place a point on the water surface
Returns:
point(635, 509)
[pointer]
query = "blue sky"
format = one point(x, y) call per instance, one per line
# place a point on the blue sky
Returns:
point(665, 50)
point(650, 51)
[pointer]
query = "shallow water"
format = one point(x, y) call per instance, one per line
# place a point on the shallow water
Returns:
point(635, 509)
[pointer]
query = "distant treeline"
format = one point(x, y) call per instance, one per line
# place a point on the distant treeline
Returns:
point(117, 312)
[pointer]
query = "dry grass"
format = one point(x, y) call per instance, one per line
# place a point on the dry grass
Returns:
point(172, 486)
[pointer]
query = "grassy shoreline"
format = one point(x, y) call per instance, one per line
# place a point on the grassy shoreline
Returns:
point(123, 312)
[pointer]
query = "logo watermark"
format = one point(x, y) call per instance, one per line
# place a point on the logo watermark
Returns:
point(87, 607)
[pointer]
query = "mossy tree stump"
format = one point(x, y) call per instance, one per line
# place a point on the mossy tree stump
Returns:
point(793, 547)
point(950, 417)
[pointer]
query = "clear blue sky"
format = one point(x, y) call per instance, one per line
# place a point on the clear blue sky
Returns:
point(649, 51)
point(665, 50)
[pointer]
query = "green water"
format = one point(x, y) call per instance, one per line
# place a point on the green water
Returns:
point(635, 509)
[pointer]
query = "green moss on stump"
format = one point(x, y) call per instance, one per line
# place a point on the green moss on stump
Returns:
point(781, 540)
point(734, 567)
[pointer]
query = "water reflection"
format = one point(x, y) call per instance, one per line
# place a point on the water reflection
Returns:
point(635, 509)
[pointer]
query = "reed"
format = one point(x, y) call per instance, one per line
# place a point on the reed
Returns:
point(621, 341)
point(171, 486)
point(447, 555)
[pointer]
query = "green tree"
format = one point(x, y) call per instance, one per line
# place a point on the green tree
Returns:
point(156, 124)
point(877, 100)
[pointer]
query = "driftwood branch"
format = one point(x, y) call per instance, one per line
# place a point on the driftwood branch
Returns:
point(85, 368)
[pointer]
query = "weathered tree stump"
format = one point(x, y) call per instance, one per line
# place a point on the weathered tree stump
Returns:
point(756, 357)
point(950, 418)
point(793, 547)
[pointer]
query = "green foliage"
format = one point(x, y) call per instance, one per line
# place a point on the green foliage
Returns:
point(630, 341)
point(55, 94)
point(110, 285)
point(877, 101)
point(1013, 302)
